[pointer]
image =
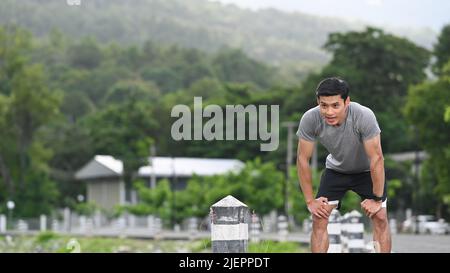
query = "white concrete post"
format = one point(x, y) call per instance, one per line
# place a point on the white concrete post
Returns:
point(2, 223)
point(158, 224)
point(229, 226)
point(255, 229)
point(66, 220)
point(282, 227)
point(131, 221)
point(82, 220)
point(22, 226)
point(89, 225)
point(120, 225)
point(307, 225)
point(42, 223)
point(192, 227)
point(393, 226)
point(55, 225)
point(98, 219)
point(151, 223)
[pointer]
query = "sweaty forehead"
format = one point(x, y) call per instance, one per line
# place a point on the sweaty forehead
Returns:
point(330, 99)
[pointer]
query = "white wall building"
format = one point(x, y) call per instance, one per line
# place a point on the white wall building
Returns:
point(105, 185)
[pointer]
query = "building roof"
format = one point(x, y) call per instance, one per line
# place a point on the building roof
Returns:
point(408, 156)
point(185, 166)
point(100, 166)
point(108, 166)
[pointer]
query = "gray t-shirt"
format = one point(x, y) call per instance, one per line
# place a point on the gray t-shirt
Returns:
point(343, 142)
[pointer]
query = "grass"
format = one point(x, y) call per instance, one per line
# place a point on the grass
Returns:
point(49, 242)
point(276, 247)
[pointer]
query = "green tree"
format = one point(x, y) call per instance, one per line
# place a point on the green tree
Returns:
point(135, 90)
point(72, 147)
point(75, 105)
point(31, 106)
point(235, 66)
point(27, 105)
point(124, 131)
point(442, 50)
point(86, 54)
point(166, 78)
point(15, 43)
point(425, 109)
point(377, 66)
point(157, 201)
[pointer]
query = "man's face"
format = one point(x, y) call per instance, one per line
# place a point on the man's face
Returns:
point(333, 109)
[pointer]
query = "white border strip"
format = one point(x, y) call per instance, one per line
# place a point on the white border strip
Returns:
point(229, 232)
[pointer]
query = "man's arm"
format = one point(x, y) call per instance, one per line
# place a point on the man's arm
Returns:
point(304, 153)
point(315, 206)
point(375, 154)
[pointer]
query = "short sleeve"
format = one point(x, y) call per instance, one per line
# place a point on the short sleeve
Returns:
point(307, 126)
point(368, 125)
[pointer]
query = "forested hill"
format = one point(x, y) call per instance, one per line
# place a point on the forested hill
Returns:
point(268, 35)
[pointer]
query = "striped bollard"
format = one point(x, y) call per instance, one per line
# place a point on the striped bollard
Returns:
point(229, 226)
point(334, 232)
point(344, 233)
point(355, 231)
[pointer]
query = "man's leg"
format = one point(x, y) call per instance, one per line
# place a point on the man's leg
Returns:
point(363, 186)
point(381, 232)
point(319, 235)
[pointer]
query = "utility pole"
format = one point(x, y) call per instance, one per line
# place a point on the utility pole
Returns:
point(152, 164)
point(289, 156)
point(173, 183)
point(418, 195)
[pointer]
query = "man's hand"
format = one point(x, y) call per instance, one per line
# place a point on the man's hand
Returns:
point(371, 207)
point(317, 207)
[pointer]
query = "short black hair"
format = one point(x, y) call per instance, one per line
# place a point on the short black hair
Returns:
point(331, 87)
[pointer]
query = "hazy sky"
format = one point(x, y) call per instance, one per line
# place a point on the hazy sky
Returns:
point(398, 13)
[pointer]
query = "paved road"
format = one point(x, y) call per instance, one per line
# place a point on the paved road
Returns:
point(408, 243)
point(401, 243)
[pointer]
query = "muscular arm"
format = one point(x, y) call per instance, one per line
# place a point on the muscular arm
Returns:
point(375, 154)
point(304, 152)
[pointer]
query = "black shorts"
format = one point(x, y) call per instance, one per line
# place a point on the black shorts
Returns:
point(334, 185)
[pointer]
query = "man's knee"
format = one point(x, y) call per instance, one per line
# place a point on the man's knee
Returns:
point(320, 224)
point(380, 219)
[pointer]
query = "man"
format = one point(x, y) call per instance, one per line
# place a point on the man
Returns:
point(350, 133)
